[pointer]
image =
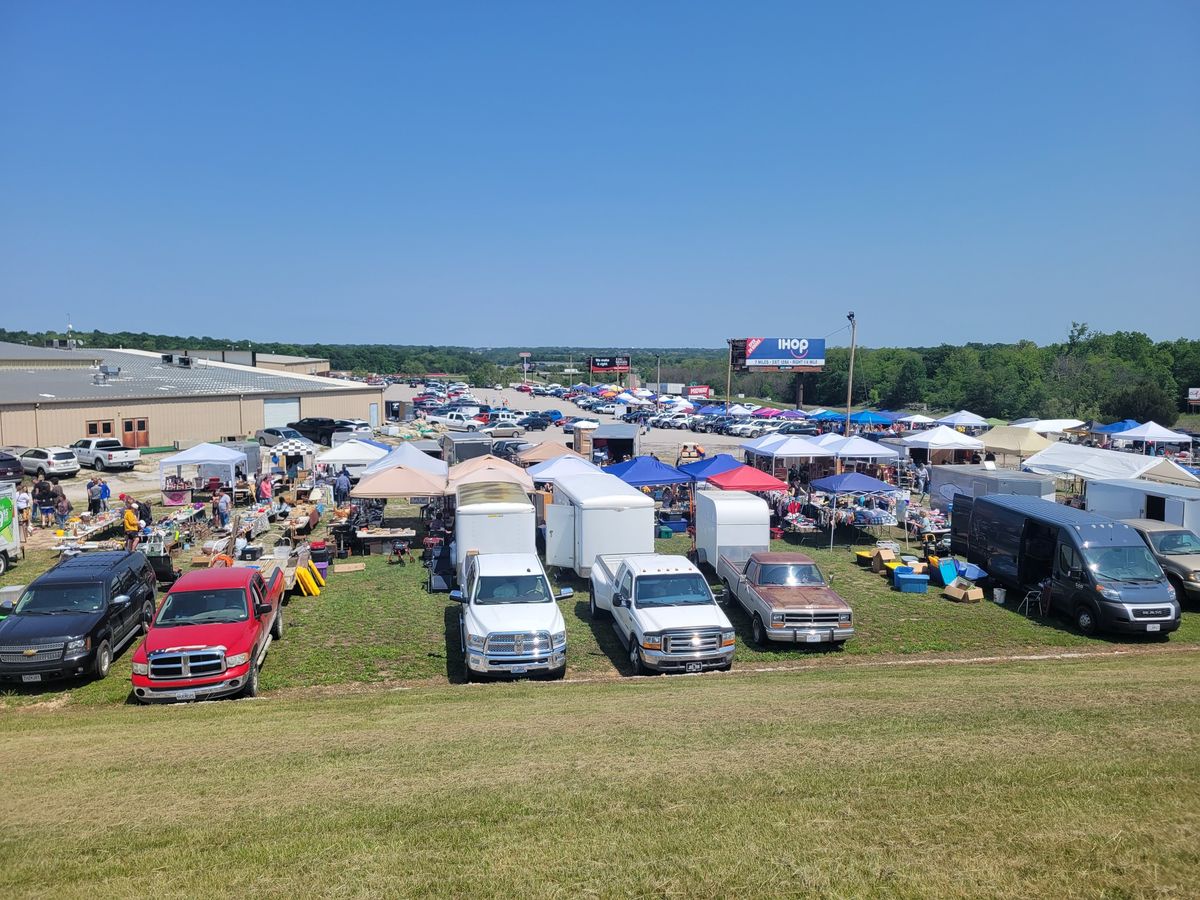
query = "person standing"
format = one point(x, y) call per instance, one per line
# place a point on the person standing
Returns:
point(922, 481)
point(105, 493)
point(25, 511)
point(131, 525)
point(93, 496)
point(43, 496)
point(62, 509)
point(341, 487)
point(224, 508)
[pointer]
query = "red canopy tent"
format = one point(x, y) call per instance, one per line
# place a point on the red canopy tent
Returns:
point(746, 478)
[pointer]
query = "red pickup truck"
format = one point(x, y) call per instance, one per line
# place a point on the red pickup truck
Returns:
point(210, 636)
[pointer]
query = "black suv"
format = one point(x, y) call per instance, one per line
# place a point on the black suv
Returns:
point(10, 468)
point(317, 429)
point(75, 618)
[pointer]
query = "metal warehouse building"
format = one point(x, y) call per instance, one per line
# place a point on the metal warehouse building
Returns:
point(150, 399)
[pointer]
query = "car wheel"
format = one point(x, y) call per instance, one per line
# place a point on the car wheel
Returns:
point(98, 464)
point(635, 656)
point(3, 563)
point(41, 473)
point(251, 687)
point(103, 659)
point(472, 428)
point(596, 612)
point(518, 432)
point(277, 625)
point(147, 615)
point(1085, 620)
point(757, 631)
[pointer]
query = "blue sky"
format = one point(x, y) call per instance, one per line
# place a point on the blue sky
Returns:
point(630, 174)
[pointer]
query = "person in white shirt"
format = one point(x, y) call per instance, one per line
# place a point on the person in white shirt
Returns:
point(25, 511)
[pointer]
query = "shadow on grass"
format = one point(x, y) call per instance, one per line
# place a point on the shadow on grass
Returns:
point(455, 661)
point(606, 636)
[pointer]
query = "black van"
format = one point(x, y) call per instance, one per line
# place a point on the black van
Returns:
point(75, 618)
point(1100, 573)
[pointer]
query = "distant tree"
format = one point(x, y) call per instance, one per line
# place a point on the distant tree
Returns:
point(1145, 401)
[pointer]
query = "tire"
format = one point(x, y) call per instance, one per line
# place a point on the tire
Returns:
point(518, 432)
point(472, 428)
point(3, 563)
point(757, 631)
point(103, 660)
point(98, 464)
point(277, 625)
point(41, 473)
point(596, 612)
point(147, 615)
point(635, 656)
point(250, 689)
point(1085, 620)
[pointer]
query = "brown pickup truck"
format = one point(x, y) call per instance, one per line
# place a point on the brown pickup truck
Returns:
point(786, 597)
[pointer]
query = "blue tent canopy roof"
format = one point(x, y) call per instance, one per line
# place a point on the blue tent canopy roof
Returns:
point(646, 471)
point(826, 416)
point(1116, 427)
point(867, 417)
point(852, 483)
point(713, 465)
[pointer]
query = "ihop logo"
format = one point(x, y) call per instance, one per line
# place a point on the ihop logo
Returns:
point(797, 347)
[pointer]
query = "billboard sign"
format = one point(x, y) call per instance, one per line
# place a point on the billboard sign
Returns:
point(785, 353)
point(608, 364)
point(1194, 395)
point(697, 390)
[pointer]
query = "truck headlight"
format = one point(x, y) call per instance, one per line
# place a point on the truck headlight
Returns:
point(727, 638)
point(238, 659)
point(777, 620)
point(844, 617)
point(84, 643)
point(652, 641)
point(1193, 576)
point(141, 668)
point(475, 641)
point(559, 639)
point(1170, 590)
point(1108, 593)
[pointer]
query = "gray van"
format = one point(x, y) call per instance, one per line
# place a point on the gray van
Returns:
point(1099, 572)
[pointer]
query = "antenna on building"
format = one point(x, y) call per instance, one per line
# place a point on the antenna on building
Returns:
point(70, 333)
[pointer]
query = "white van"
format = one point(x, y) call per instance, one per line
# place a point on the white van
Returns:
point(593, 514)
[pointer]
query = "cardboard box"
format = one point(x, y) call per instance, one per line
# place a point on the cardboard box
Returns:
point(879, 557)
point(962, 591)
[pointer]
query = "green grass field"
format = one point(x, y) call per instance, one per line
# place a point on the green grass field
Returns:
point(381, 626)
point(1058, 779)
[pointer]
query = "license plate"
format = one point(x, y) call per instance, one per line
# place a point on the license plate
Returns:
point(693, 667)
point(30, 679)
point(519, 670)
point(185, 695)
point(1153, 627)
point(813, 638)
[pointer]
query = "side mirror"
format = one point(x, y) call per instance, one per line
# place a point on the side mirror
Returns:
point(7, 606)
point(1075, 574)
point(565, 593)
point(458, 596)
point(618, 600)
point(261, 609)
point(120, 600)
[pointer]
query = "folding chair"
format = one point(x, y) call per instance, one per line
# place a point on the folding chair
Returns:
point(400, 552)
point(1031, 601)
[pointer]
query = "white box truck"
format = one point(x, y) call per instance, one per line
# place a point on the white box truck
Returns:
point(1137, 498)
point(594, 514)
point(10, 528)
point(491, 517)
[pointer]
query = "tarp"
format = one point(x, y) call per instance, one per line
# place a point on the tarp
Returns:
point(747, 478)
point(409, 456)
point(855, 447)
point(561, 467)
point(942, 438)
point(646, 471)
point(853, 483)
point(1115, 427)
point(545, 451)
point(353, 453)
point(1014, 439)
point(400, 481)
point(964, 418)
point(1095, 464)
point(212, 455)
point(867, 417)
point(1154, 433)
point(712, 465)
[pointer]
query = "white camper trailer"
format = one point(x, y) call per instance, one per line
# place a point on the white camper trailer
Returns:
point(1136, 498)
point(594, 514)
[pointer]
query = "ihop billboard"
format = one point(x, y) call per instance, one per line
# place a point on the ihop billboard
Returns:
point(785, 353)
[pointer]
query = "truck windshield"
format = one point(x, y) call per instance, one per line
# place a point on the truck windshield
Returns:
point(1123, 564)
point(203, 608)
point(671, 590)
point(497, 589)
point(791, 575)
point(1175, 543)
point(63, 598)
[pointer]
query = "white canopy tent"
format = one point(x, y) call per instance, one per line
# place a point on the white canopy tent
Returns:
point(410, 457)
point(1094, 464)
point(207, 458)
point(963, 418)
point(1050, 426)
point(561, 467)
point(829, 437)
point(795, 447)
point(762, 443)
point(352, 453)
point(916, 419)
point(1152, 433)
point(855, 447)
point(942, 438)
point(738, 410)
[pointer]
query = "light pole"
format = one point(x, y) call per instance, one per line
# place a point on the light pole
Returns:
point(850, 379)
point(658, 366)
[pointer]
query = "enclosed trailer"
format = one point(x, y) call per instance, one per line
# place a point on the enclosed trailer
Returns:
point(945, 482)
point(728, 520)
point(492, 517)
point(458, 448)
point(593, 514)
point(1136, 498)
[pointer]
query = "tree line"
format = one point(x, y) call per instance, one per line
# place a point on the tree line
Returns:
point(1090, 375)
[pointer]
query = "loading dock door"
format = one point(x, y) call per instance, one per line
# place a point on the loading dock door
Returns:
point(278, 412)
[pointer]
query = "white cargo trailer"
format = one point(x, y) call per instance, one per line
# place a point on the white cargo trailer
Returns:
point(492, 517)
point(729, 519)
point(1137, 498)
point(593, 514)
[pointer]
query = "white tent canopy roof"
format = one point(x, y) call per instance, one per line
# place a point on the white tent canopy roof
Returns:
point(738, 410)
point(1049, 426)
point(409, 456)
point(1094, 464)
point(561, 467)
point(915, 419)
point(212, 456)
point(761, 445)
point(1152, 431)
point(795, 447)
point(829, 437)
point(352, 453)
point(855, 447)
point(942, 438)
point(963, 417)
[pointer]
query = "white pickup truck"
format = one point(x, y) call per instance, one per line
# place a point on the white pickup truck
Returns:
point(457, 421)
point(105, 453)
point(663, 612)
point(510, 623)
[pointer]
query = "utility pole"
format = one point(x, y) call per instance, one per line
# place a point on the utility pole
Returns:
point(658, 364)
point(729, 377)
point(850, 379)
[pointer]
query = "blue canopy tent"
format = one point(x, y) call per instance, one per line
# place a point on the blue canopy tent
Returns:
point(867, 417)
point(850, 483)
point(827, 416)
point(1116, 427)
point(713, 465)
point(646, 471)
point(712, 409)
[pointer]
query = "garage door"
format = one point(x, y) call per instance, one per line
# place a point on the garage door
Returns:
point(278, 412)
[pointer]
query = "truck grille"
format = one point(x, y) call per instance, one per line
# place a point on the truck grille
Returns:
point(1152, 613)
point(42, 653)
point(174, 665)
point(807, 619)
point(518, 644)
point(691, 641)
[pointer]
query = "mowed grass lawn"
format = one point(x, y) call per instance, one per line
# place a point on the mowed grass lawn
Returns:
point(1056, 779)
point(381, 626)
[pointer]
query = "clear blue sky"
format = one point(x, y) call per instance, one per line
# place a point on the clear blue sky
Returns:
point(625, 174)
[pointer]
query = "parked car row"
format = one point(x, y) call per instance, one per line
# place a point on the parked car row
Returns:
point(318, 430)
point(100, 454)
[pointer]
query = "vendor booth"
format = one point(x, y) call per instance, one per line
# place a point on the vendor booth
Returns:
point(199, 470)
